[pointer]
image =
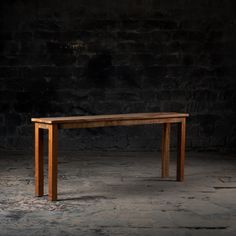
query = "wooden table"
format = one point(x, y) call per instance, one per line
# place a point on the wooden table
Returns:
point(52, 124)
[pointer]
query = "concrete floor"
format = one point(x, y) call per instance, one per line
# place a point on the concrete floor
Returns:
point(120, 194)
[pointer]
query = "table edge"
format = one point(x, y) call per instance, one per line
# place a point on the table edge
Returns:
point(45, 121)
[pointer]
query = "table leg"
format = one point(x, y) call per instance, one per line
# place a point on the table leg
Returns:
point(52, 162)
point(165, 149)
point(39, 163)
point(181, 149)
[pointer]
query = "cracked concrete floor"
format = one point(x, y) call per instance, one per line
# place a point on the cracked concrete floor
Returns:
point(110, 193)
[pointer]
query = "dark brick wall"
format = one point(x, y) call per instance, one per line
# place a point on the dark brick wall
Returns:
point(79, 57)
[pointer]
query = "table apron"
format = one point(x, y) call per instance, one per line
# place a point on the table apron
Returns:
point(117, 123)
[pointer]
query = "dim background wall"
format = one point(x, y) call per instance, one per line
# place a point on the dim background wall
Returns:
point(63, 58)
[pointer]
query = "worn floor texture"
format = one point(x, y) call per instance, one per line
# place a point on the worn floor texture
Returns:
point(110, 193)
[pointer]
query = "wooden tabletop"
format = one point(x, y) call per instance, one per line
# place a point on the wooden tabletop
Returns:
point(115, 117)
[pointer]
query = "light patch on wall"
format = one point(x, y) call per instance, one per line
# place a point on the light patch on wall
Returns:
point(77, 45)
